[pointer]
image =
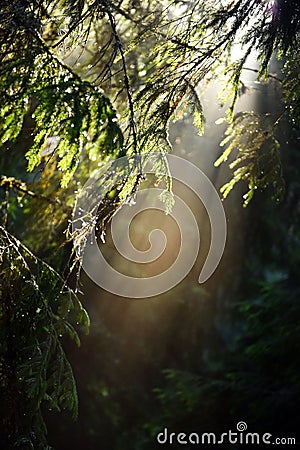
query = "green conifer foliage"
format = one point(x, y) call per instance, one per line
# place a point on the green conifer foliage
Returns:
point(98, 80)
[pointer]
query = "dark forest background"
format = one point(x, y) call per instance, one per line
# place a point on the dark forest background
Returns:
point(198, 358)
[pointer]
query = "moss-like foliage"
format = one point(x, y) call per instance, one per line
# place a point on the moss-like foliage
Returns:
point(86, 82)
point(35, 315)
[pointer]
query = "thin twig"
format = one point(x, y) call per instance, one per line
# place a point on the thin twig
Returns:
point(126, 79)
point(270, 75)
point(12, 183)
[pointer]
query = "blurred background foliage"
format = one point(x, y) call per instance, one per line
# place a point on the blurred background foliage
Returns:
point(82, 82)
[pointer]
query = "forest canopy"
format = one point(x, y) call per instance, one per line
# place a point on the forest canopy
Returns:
point(111, 76)
point(83, 83)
